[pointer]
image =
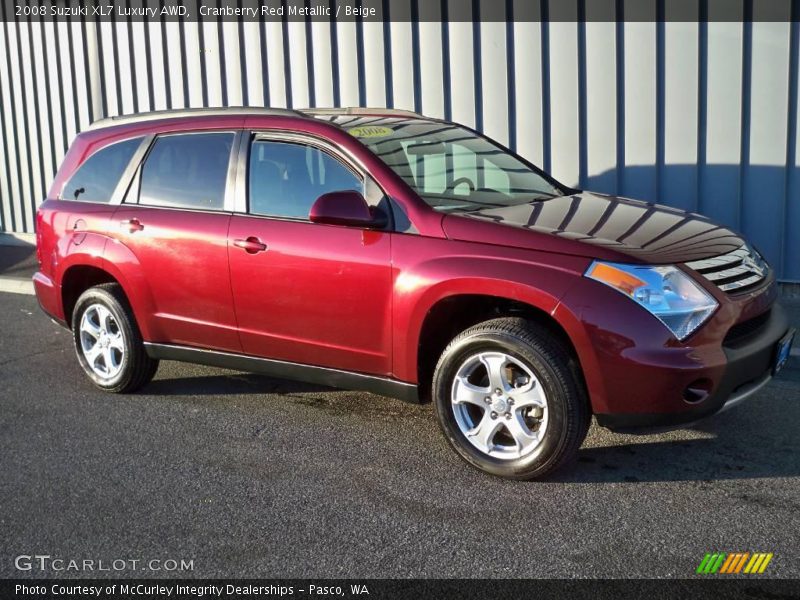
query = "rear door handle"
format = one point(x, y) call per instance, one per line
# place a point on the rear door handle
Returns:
point(251, 245)
point(132, 225)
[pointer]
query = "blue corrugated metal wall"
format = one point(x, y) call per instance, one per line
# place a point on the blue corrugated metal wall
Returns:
point(697, 115)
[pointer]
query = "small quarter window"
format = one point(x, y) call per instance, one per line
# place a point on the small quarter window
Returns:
point(98, 176)
point(287, 178)
point(188, 171)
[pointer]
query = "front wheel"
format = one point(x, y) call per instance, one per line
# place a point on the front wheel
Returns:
point(509, 399)
point(107, 341)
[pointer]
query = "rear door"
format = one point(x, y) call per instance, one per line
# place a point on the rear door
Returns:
point(305, 292)
point(175, 222)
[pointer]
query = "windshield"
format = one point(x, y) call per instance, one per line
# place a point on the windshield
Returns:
point(450, 167)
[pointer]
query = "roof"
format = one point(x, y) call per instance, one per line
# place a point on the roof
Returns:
point(305, 113)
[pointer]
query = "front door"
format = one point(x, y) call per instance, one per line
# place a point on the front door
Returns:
point(305, 292)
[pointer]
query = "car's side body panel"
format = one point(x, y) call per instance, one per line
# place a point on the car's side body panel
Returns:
point(318, 294)
point(69, 234)
point(357, 300)
point(428, 270)
point(180, 260)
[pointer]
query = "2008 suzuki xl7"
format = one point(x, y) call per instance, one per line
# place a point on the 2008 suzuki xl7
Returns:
point(412, 257)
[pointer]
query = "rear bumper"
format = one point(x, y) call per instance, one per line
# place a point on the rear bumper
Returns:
point(748, 368)
point(49, 297)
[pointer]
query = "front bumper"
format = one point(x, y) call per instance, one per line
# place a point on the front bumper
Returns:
point(748, 367)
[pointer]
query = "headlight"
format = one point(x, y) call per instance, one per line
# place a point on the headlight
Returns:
point(667, 292)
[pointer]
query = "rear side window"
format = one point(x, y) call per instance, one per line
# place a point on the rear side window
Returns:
point(188, 171)
point(99, 175)
point(286, 178)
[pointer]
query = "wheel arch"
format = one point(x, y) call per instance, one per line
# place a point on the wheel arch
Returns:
point(454, 313)
point(75, 280)
point(80, 276)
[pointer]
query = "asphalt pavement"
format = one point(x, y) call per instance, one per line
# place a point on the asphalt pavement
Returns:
point(247, 476)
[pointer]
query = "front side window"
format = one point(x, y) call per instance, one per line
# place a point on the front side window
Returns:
point(450, 167)
point(187, 171)
point(287, 178)
point(98, 176)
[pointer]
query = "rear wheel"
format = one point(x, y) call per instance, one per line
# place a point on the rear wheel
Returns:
point(509, 399)
point(107, 340)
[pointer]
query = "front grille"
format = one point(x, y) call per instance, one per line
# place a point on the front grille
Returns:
point(741, 332)
point(734, 272)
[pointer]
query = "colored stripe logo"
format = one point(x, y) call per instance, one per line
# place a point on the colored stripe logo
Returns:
point(733, 563)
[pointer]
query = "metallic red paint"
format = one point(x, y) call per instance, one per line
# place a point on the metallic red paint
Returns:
point(341, 208)
point(357, 299)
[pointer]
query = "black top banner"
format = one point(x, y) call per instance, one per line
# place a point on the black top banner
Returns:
point(402, 10)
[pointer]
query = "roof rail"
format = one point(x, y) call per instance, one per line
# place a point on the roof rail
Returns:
point(360, 110)
point(191, 112)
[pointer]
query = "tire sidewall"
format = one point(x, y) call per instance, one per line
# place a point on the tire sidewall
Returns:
point(100, 296)
point(555, 434)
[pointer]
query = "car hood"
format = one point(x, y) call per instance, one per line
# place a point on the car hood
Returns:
point(597, 226)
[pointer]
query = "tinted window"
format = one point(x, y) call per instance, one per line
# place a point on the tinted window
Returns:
point(286, 179)
point(187, 170)
point(97, 177)
point(450, 167)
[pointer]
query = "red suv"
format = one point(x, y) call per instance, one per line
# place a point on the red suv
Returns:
point(380, 250)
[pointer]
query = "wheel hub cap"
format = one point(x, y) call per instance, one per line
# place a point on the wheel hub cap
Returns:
point(499, 405)
point(101, 341)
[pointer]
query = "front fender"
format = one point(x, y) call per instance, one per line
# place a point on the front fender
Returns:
point(453, 269)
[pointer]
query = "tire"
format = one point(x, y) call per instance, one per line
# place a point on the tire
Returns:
point(547, 411)
point(105, 332)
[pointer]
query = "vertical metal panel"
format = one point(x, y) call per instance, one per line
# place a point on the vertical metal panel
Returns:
point(67, 89)
point(49, 78)
point(462, 75)
point(23, 148)
point(697, 115)
point(232, 65)
point(211, 49)
point(763, 184)
point(323, 73)
point(639, 178)
point(402, 67)
point(348, 64)
point(13, 193)
point(601, 107)
point(719, 177)
point(563, 52)
point(431, 67)
point(299, 64)
point(494, 77)
point(528, 88)
point(123, 74)
point(791, 249)
point(174, 65)
point(254, 73)
point(374, 65)
point(275, 60)
point(159, 83)
point(679, 183)
point(8, 189)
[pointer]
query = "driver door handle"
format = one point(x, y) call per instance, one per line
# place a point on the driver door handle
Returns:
point(251, 245)
point(132, 225)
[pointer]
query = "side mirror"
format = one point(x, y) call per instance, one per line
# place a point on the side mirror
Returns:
point(347, 208)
